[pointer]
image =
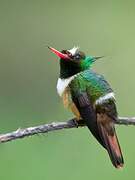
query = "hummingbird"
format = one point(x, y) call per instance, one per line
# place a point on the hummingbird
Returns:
point(91, 99)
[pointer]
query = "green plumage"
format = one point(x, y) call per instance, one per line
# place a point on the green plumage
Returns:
point(95, 84)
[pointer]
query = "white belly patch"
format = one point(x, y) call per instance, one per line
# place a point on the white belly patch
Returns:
point(102, 99)
point(62, 84)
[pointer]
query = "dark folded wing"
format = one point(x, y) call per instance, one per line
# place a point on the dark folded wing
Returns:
point(83, 103)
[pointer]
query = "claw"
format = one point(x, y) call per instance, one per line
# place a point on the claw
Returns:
point(77, 123)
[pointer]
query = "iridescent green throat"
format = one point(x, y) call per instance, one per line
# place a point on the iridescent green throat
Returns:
point(70, 68)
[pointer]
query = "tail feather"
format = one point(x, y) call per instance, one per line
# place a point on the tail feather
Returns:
point(112, 146)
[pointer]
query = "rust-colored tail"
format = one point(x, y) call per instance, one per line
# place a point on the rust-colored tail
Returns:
point(111, 143)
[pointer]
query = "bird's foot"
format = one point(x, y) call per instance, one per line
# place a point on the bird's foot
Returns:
point(77, 123)
point(81, 122)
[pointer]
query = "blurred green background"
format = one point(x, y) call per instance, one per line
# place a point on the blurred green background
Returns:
point(28, 75)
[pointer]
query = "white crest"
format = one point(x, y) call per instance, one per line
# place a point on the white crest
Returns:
point(74, 50)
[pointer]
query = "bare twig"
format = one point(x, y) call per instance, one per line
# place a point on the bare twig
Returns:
point(30, 131)
point(126, 121)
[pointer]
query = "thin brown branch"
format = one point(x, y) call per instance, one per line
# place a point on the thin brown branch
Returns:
point(30, 131)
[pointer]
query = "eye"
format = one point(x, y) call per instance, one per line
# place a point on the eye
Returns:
point(77, 57)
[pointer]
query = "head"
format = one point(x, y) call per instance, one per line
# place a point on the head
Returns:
point(73, 61)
